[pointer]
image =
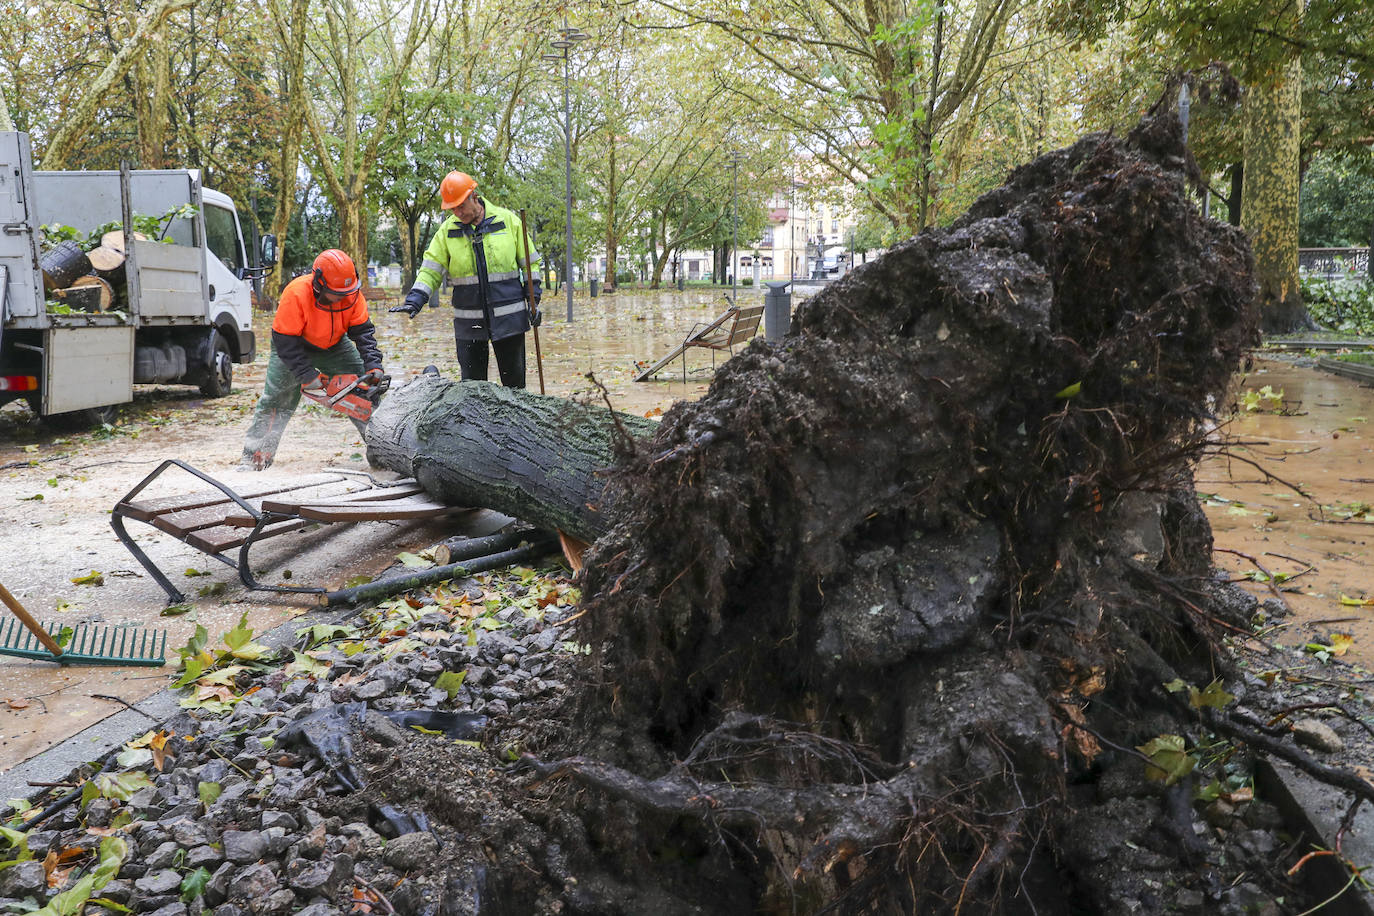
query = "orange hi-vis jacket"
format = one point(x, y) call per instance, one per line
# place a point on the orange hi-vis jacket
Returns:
point(302, 324)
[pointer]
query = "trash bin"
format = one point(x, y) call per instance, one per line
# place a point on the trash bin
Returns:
point(777, 310)
point(595, 286)
point(680, 284)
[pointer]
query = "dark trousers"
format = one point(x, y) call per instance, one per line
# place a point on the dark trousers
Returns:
point(510, 360)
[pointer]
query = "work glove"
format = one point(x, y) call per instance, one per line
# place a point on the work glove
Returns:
point(373, 384)
point(536, 317)
point(315, 385)
point(414, 304)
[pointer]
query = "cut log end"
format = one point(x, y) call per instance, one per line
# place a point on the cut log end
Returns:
point(88, 294)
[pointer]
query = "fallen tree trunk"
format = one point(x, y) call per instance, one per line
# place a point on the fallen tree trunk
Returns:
point(540, 459)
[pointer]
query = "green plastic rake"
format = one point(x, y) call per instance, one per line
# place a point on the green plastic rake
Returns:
point(86, 645)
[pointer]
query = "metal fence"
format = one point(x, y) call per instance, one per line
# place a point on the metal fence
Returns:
point(1334, 262)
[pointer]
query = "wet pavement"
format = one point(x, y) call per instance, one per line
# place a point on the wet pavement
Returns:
point(1290, 502)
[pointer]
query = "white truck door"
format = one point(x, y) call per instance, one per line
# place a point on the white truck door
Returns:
point(229, 292)
point(19, 291)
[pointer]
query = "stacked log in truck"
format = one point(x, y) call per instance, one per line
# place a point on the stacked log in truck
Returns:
point(87, 317)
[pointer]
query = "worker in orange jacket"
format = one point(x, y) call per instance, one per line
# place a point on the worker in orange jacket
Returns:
point(321, 328)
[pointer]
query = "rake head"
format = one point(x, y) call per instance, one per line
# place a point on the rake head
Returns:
point(87, 645)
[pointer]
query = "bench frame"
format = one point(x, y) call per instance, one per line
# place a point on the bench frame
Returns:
point(271, 517)
point(735, 326)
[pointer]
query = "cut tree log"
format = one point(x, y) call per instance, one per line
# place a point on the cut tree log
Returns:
point(540, 459)
point(107, 261)
point(115, 240)
point(93, 294)
point(62, 264)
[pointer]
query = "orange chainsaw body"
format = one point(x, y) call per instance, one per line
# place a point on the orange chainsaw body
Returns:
point(348, 394)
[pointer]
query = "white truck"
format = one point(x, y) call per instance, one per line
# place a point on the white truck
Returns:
point(188, 313)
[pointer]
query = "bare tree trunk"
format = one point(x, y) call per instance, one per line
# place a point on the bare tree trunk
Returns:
point(292, 41)
point(1270, 197)
point(152, 109)
point(79, 120)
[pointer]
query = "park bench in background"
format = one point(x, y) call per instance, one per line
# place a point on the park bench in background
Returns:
point(736, 326)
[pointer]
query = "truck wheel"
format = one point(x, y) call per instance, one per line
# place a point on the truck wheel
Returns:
point(221, 379)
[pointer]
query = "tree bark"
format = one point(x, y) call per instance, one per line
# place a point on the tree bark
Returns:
point(63, 264)
point(534, 457)
point(1269, 210)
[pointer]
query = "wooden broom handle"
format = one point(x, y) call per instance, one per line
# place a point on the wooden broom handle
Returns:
point(27, 620)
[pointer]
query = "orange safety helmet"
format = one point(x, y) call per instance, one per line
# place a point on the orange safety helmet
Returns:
point(335, 274)
point(455, 188)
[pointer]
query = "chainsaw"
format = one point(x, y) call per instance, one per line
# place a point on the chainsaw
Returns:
point(353, 395)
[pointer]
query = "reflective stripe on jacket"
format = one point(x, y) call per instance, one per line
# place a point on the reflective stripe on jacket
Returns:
point(485, 263)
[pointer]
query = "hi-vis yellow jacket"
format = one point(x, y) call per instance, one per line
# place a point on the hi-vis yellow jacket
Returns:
point(485, 262)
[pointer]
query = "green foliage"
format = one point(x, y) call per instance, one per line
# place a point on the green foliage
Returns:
point(1341, 305)
point(1337, 209)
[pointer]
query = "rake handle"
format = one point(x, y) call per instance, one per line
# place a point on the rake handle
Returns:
point(27, 620)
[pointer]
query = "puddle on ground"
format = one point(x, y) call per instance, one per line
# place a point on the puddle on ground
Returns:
point(1309, 431)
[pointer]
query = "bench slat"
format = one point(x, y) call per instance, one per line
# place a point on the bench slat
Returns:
point(183, 521)
point(401, 509)
point(225, 537)
point(146, 510)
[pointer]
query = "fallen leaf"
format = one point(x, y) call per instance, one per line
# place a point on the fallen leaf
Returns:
point(91, 578)
point(1169, 762)
point(18, 703)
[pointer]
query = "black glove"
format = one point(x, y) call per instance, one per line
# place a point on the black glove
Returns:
point(415, 303)
point(536, 317)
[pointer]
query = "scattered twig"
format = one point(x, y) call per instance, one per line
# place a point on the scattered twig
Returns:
point(1268, 576)
point(381, 898)
point(106, 696)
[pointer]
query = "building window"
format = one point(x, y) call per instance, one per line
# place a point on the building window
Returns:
point(834, 227)
point(767, 237)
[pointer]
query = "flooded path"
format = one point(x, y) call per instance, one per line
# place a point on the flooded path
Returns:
point(1309, 432)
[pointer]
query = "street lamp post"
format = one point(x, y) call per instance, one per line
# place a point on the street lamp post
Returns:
point(735, 157)
point(568, 38)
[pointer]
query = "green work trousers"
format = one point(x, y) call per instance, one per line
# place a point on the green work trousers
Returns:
point(282, 393)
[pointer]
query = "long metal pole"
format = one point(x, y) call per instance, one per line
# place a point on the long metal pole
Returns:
point(734, 234)
point(567, 178)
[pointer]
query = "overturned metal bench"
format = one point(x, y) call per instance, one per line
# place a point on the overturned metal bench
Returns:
point(225, 524)
point(735, 326)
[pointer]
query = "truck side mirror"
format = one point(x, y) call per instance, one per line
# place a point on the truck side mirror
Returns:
point(267, 249)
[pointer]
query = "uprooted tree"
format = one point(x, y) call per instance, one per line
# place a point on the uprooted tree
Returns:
point(864, 613)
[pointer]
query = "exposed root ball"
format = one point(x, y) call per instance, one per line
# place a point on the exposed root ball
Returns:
point(916, 522)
